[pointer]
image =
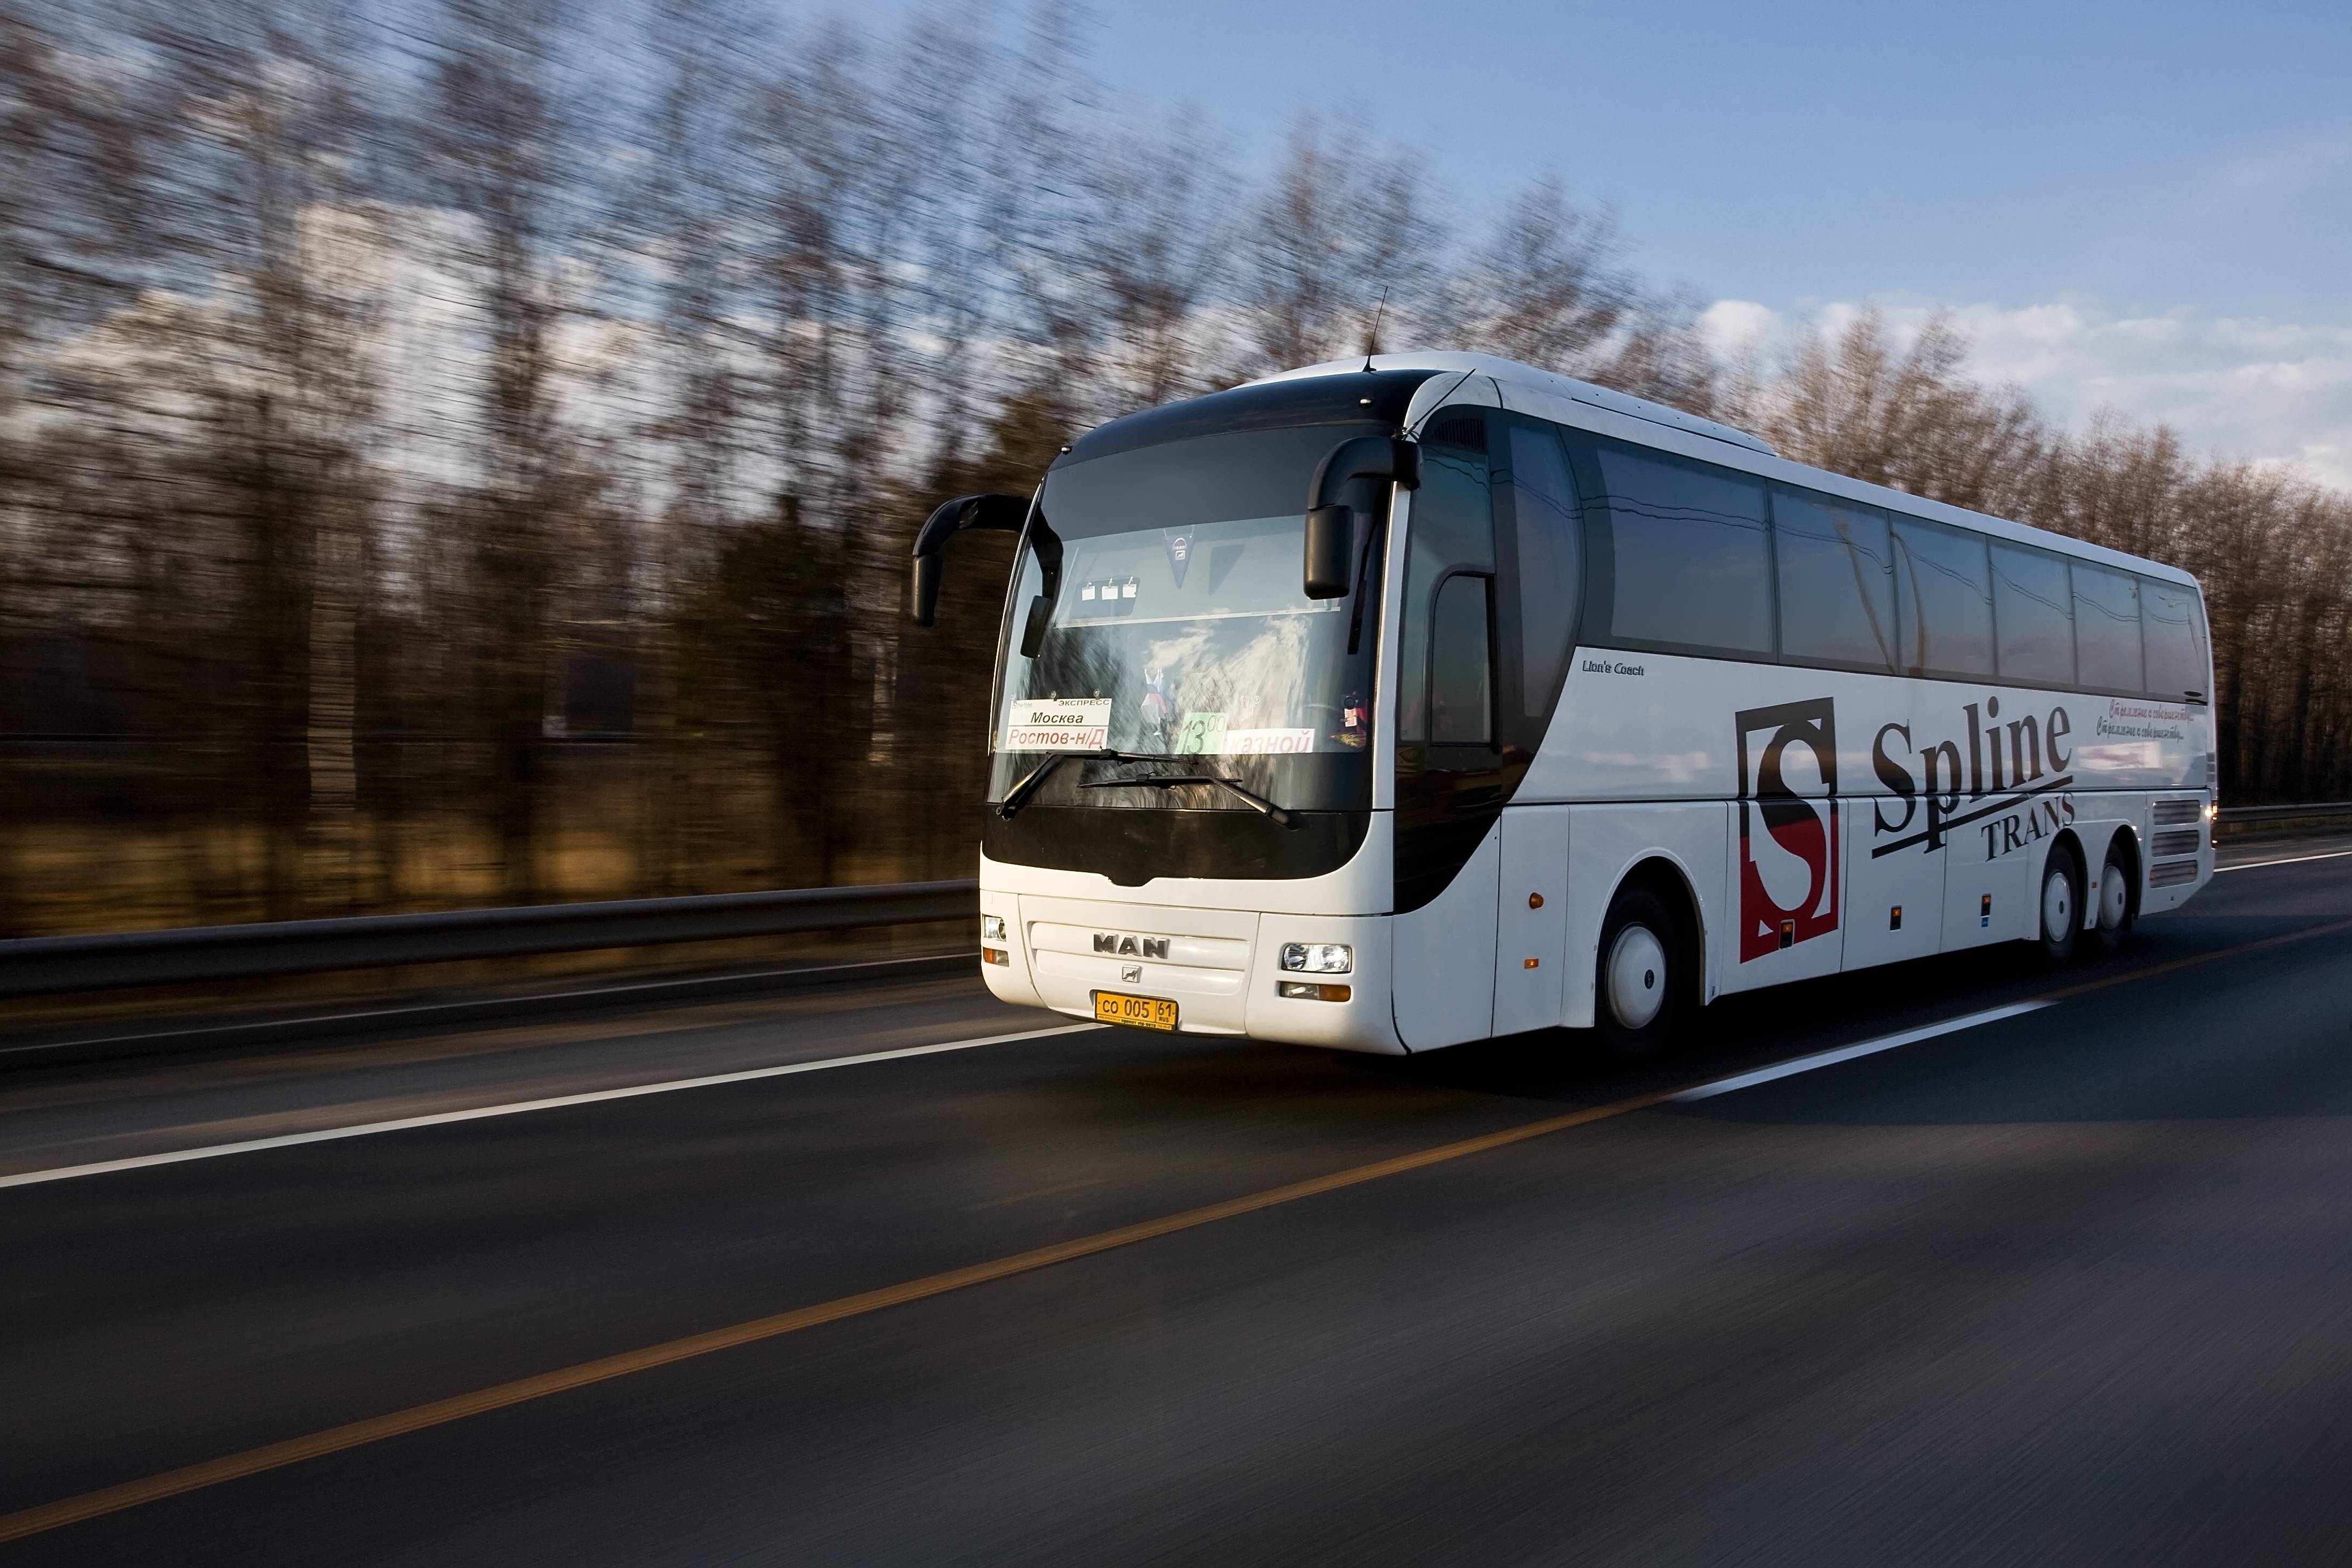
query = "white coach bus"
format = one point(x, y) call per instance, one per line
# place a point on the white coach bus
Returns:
point(1391, 706)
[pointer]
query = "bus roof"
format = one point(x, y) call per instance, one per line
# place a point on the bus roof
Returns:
point(1566, 400)
point(1567, 386)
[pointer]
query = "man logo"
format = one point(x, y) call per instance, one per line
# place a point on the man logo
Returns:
point(1131, 973)
point(1123, 946)
point(1788, 784)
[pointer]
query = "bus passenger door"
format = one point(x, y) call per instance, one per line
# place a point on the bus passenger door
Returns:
point(1452, 773)
point(1531, 918)
point(1443, 958)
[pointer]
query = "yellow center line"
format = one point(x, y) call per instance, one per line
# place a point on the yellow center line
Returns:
point(441, 1412)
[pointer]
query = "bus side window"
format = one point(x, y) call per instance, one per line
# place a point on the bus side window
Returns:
point(1836, 573)
point(1460, 662)
point(2176, 648)
point(2029, 605)
point(1688, 559)
point(1548, 560)
point(2106, 629)
point(1943, 600)
point(1452, 530)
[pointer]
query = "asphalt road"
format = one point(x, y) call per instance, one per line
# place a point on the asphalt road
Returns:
point(2075, 1285)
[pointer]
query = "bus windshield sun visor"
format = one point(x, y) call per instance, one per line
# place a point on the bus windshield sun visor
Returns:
point(1330, 521)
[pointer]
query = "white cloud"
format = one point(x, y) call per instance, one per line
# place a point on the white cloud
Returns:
point(1735, 328)
point(2274, 392)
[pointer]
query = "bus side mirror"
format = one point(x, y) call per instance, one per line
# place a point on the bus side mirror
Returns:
point(927, 587)
point(1327, 527)
point(997, 511)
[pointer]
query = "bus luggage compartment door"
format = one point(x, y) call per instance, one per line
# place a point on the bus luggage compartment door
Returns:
point(1895, 897)
point(1531, 918)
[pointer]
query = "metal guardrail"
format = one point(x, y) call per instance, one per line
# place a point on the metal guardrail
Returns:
point(2284, 813)
point(51, 966)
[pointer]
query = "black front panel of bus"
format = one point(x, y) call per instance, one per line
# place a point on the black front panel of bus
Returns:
point(1132, 847)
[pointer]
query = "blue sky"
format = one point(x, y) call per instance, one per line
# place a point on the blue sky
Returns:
point(2154, 155)
point(2144, 207)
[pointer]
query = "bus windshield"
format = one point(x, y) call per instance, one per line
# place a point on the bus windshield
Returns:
point(1179, 624)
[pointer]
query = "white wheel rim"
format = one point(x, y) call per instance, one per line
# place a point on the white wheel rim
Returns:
point(1637, 976)
point(2115, 897)
point(2057, 904)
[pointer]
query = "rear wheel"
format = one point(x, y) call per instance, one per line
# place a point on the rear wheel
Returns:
point(1645, 973)
point(2061, 905)
point(2114, 899)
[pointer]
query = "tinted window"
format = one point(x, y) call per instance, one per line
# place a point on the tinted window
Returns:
point(1461, 685)
point(1550, 565)
point(1943, 600)
point(1836, 572)
point(1690, 565)
point(2029, 605)
point(2106, 629)
point(2172, 626)
point(1450, 526)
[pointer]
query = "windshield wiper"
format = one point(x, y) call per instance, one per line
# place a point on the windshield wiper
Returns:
point(1256, 801)
point(1018, 795)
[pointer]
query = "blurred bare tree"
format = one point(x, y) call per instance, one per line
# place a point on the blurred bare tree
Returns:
point(1857, 403)
point(1341, 225)
point(500, 151)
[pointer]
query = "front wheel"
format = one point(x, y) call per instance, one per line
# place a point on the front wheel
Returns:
point(1644, 972)
point(2062, 906)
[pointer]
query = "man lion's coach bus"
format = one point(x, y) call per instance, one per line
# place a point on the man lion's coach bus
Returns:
point(1393, 706)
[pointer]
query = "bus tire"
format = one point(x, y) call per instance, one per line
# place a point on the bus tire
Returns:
point(2060, 903)
point(2114, 900)
point(1642, 976)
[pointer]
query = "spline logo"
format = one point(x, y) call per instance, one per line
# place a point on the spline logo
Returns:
point(1788, 788)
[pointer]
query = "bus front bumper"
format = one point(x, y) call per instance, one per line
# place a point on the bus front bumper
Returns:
point(1221, 967)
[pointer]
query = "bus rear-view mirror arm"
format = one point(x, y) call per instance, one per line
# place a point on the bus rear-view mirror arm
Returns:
point(1330, 522)
point(998, 511)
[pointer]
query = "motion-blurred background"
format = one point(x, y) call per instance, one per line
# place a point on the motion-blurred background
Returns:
point(465, 452)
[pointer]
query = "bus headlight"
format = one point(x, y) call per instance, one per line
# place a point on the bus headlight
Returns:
point(992, 928)
point(1318, 957)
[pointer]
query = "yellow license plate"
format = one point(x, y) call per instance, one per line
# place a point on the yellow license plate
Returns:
point(1137, 1011)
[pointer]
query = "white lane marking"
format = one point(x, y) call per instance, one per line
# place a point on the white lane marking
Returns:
point(482, 1112)
point(1845, 1054)
point(2289, 860)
